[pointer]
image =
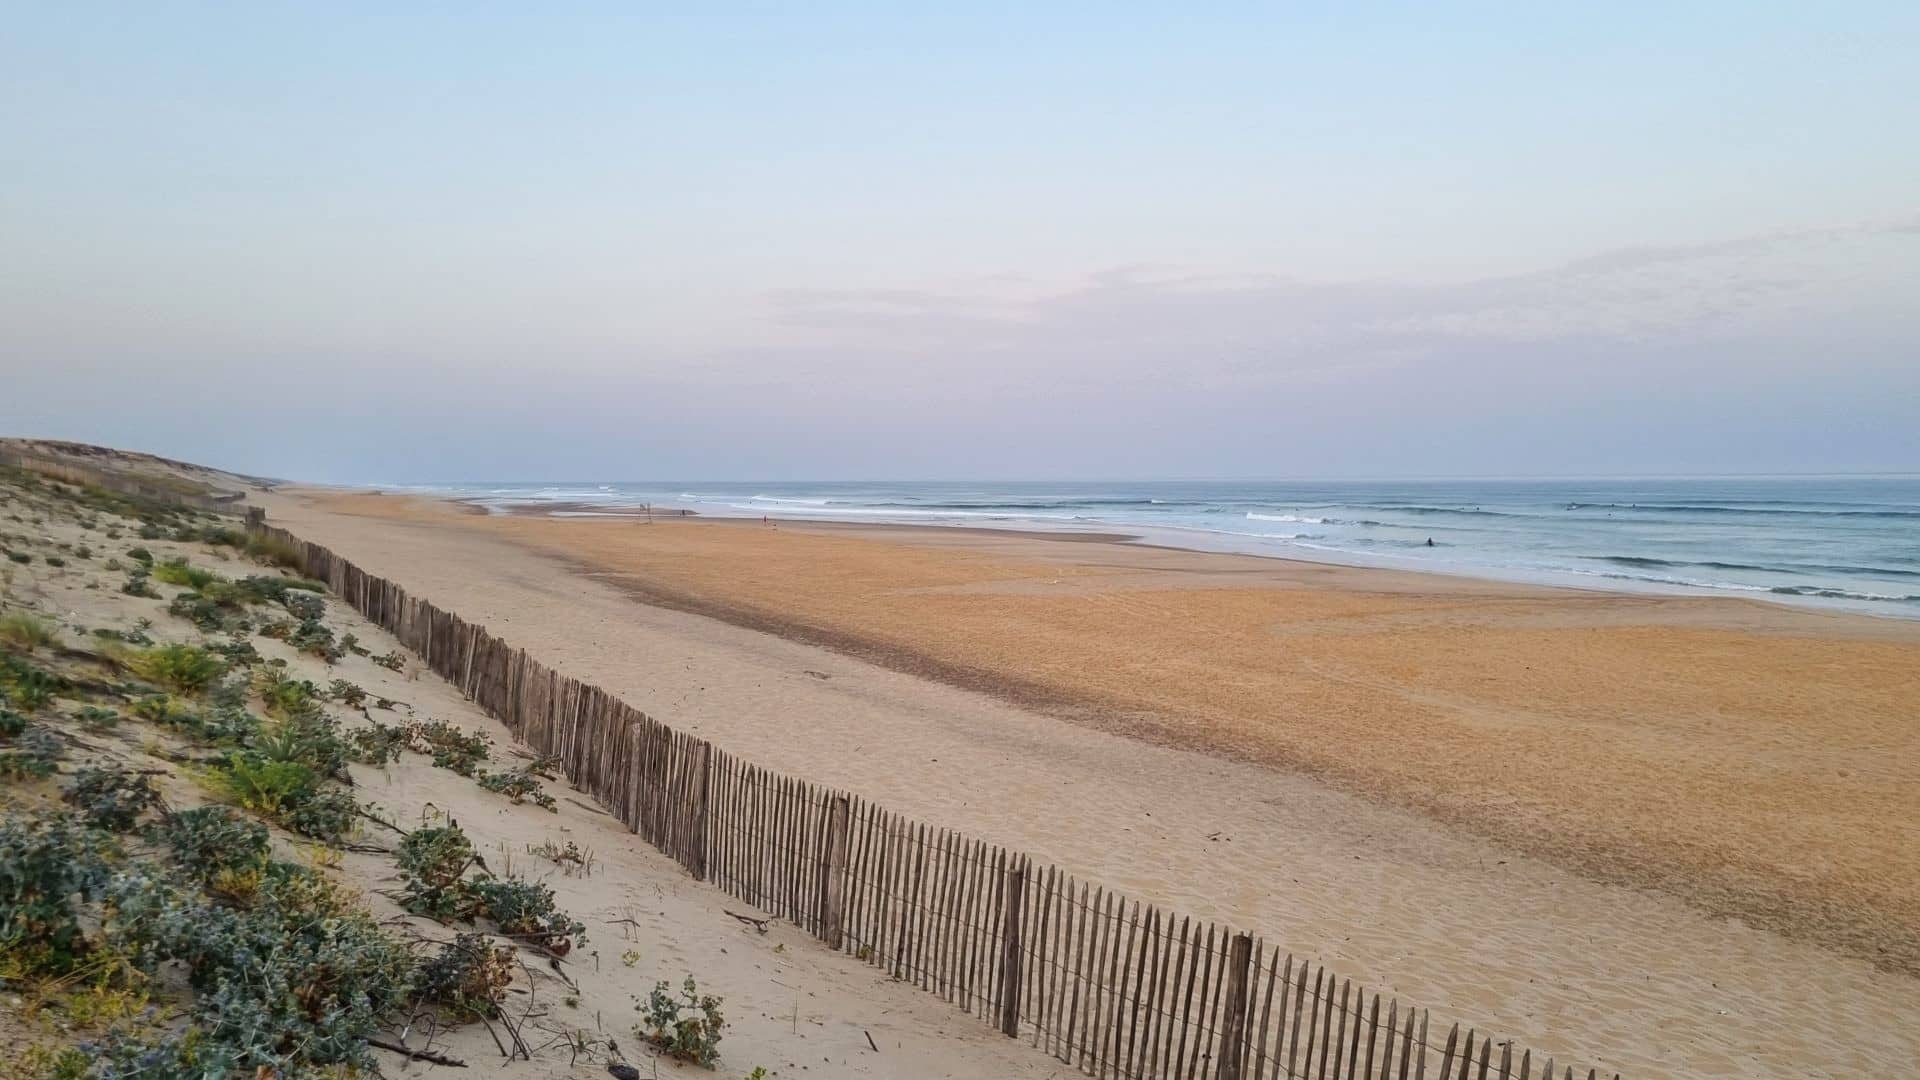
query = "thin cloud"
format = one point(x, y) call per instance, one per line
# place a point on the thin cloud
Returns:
point(1137, 315)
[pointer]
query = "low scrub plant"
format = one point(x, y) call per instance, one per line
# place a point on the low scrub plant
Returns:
point(284, 695)
point(44, 862)
point(469, 976)
point(524, 911)
point(434, 863)
point(518, 785)
point(326, 814)
point(296, 979)
point(111, 798)
point(312, 637)
point(377, 744)
point(33, 754)
point(210, 840)
point(218, 608)
point(237, 653)
point(452, 747)
point(130, 637)
point(28, 631)
point(687, 1027)
point(95, 718)
point(303, 605)
point(138, 585)
point(346, 693)
point(180, 572)
point(266, 786)
point(26, 685)
point(181, 668)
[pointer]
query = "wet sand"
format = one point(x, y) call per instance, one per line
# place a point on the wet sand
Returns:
point(1528, 808)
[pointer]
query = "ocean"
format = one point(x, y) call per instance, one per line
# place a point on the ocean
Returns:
point(1849, 542)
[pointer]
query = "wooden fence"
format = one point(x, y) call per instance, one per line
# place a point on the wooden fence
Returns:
point(1117, 988)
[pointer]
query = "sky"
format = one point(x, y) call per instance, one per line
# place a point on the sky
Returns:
point(353, 243)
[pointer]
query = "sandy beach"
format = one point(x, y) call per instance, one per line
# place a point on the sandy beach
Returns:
point(1669, 836)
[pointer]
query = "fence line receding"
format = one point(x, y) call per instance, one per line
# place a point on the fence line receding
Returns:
point(1101, 981)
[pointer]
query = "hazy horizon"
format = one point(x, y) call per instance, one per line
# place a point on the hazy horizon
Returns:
point(350, 245)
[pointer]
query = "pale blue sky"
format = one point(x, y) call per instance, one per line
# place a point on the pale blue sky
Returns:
point(627, 241)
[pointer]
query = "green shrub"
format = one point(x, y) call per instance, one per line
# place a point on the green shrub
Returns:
point(452, 747)
point(376, 745)
point(312, 637)
point(469, 976)
point(151, 532)
point(524, 911)
point(179, 572)
point(209, 840)
point(310, 737)
point(326, 814)
point(346, 693)
point(27, 686)
point(395, 660)
point(284, 695)
point(111, 799)
point(296, 979)
point(686, 1028)
point(237, 653)
point(303, 605)
point(96, 718)
point(131, 637)
point(433, 860)
point(55, 561)
point(31, 755)
point(20, 557)
point(43, 862)
point(221, 725)
point(182, 668)
point(518, 785)
point(138, 585)
point(28, 631)
point(140, 555)
point(222, 536)
point(265, 786)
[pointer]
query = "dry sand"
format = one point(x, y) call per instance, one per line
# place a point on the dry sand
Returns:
point(1527, 808)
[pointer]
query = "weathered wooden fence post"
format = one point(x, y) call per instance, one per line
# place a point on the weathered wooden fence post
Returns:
point(256, 518)
point(834, 903)
point(701, 812)
point(1015, 887)
point(1233, 1011)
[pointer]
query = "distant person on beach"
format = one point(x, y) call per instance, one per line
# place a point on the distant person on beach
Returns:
point(1429, 541)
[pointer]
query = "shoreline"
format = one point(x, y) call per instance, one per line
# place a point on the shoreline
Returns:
point(1156, 538)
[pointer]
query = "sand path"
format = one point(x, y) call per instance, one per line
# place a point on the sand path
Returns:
point(1626, 979)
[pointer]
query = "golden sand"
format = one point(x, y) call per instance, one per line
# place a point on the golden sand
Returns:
point(1402, 766)
point(1756, 758)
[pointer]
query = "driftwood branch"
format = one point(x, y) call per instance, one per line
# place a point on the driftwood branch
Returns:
point(758, 924)
point(417, 1055)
